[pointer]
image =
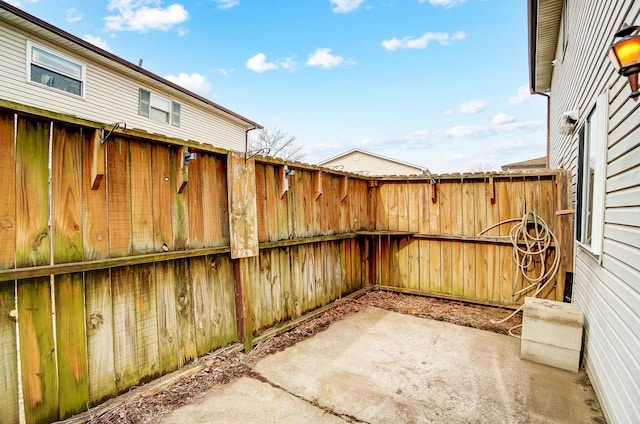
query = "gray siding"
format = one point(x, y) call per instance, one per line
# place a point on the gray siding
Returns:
point(110, 96)
point(606, 288)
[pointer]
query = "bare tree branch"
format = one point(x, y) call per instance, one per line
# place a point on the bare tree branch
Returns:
point(277, 143)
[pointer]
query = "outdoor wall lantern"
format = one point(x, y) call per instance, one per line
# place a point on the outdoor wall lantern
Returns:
point(625, 55)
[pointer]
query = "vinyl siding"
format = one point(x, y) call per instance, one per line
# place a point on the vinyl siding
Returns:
point(606, 288)
point(110, 96)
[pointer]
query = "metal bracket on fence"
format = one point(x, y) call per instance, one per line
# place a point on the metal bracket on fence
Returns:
point(105, 137)
point(248, 155)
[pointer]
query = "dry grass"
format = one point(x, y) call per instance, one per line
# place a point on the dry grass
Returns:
point(151, 404)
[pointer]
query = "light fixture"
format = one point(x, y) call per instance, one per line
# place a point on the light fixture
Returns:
point(625, 55)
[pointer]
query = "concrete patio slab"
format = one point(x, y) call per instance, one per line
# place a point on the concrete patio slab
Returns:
point(377, 366)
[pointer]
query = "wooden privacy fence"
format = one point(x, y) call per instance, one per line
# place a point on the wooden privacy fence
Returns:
point(121, 260)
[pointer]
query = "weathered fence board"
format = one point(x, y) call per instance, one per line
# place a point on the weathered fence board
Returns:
point(163, 198)
point(71, 349)
point(141, 198)
point(95, 230)
point(8, 353)
point(66, 187)
point(32, 193)
point(99, 324)
point(37, 351)
point(8, 198)
point(119, 197)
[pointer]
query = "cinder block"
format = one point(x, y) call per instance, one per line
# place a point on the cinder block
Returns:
point(551, 333)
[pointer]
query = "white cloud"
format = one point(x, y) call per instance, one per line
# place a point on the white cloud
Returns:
point(422, 42)
point(502, 118)
point(144, 15)
point(523, 96)
point(97, 41)
point(324, 59)
point(473, 106)
point(227, 4)
point(345, 6)
point(72, 15)
point(192, 82)
point(258, 63)
point(444, 3)
point(428, 138)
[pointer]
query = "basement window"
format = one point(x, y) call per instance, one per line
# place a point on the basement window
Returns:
point(592, 153)
point(54, 70)
point(158, 109)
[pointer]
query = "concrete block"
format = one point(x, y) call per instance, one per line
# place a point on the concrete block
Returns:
point(551, 333)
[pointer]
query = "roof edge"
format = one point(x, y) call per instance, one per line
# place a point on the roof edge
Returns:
point(110, 56)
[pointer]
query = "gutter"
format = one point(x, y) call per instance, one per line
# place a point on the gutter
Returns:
point(533, 24)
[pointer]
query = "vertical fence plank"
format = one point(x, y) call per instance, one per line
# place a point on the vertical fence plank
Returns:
point(272, 203)
point(37, 351)
point(180, 201)
point(393, 212)
point(277, 295)
point(481, 249)
point(119, 197)
point(8, 353)
point(403, 206)
point(167, 316)
point(8, 198)
point(184, 308)
point(267, 308)
point(505, 263)
point(223, 201)
point(281, 207)
point(210, 193)
point(205, 305)
point(424, 263)
point(261, 203)
point(161, 193)
point(221, 275)
point(445, 205)
point(71, 350)
point(146, 321)
point(469, 211)
point(99, 319)
point(297, 280)
point(142, 236)
point(435, 247)
point(32, 193)
point(95, 240)
point(124, 328)
point(196, 208)
point(456, 260)
point(309, 267)
point(66, 194)
point(287, 286)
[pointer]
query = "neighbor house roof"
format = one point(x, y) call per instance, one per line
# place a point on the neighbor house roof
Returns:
point(346, 156)
point(22, 19)
point(545, 18)
point(536, 163)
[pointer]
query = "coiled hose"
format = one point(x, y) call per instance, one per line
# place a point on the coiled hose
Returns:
point(531, 239)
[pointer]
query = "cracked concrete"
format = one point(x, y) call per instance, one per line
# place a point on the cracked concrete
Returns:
point(377, 366)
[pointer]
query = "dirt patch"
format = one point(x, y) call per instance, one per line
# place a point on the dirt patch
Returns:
point(150, 405)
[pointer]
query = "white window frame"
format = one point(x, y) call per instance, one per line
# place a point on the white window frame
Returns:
point(149, 101)
point(81, 79)
point(592, 139)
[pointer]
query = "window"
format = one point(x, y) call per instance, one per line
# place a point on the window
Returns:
point(158, 108)
point(592, 152)
point(55, 71)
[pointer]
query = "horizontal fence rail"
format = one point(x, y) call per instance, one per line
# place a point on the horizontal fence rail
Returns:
point(121, 261)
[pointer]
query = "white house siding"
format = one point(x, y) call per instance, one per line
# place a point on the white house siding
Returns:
point(606, 288)
point(110, 96)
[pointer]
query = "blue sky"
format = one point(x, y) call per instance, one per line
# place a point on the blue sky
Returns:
point(437, 83)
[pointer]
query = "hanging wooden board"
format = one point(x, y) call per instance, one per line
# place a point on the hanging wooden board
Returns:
point(243, 221)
